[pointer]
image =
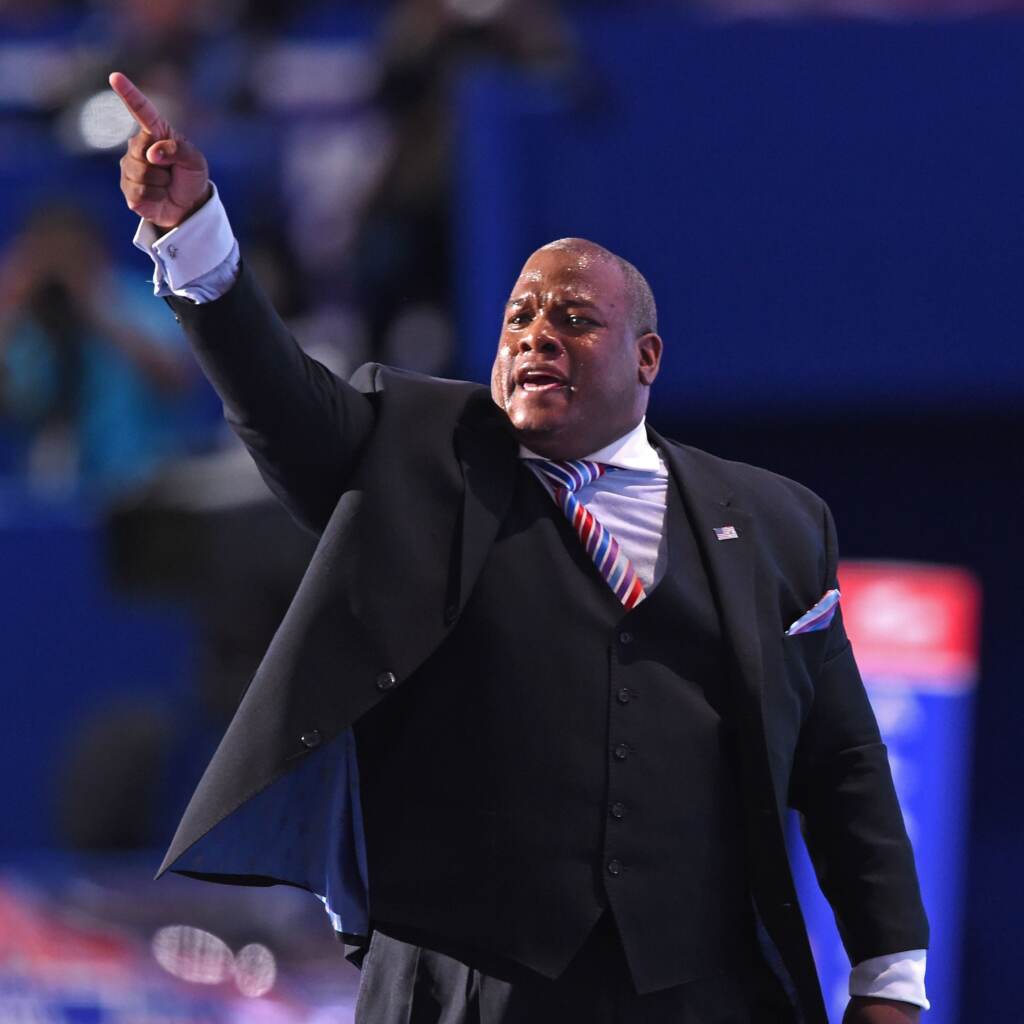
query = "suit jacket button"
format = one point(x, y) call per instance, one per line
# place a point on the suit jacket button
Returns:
point(451, 613)
point(614, 868)
point(618, 811)
point(386, 681)
point(310, 739)
point(621, 752)
point(624, 695)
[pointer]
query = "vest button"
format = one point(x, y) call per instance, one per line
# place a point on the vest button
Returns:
point(386, 681)
point(310, 739)
point(618, 811)
point(621, 752)
point(625, 637)
point(624, 695)
point(615, 868)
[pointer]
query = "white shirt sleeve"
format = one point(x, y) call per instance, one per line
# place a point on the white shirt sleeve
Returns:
point(894, 976)
point(197, 260)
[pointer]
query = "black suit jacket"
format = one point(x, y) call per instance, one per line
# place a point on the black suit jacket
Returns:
point(406, 480)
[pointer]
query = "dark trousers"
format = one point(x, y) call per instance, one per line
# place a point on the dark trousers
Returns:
point(403, 983)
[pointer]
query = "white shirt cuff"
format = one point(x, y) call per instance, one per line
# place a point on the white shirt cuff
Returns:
point(897, 976)
point(198, 259)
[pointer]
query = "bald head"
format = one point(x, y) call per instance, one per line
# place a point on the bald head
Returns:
point(643, 313)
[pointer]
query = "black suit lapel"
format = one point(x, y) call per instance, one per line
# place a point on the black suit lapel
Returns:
point(487, 452)
point(730, 565)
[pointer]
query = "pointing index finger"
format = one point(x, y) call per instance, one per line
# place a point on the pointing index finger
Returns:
point(139, 106)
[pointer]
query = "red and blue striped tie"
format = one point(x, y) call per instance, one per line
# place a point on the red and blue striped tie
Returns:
point(611, 561)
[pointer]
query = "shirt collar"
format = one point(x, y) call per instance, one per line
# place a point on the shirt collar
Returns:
point(631, 451)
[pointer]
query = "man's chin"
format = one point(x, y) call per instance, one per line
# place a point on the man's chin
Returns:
point(538, 412)
point(535, 423)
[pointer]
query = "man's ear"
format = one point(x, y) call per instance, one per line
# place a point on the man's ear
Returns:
point(648, 348)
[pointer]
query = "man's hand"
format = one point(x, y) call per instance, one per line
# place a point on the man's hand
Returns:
point(866, 1010)
point(164, 177)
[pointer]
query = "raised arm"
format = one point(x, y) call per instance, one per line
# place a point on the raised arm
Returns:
point(303, 425)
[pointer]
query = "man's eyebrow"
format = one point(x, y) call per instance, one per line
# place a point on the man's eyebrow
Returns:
point(569, 300)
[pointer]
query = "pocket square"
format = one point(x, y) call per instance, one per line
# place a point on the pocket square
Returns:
point(817, 617)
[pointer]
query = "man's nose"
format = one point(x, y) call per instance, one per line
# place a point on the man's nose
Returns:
point(540, 337)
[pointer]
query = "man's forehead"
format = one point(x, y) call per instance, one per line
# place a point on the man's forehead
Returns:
point(558, 291)
point(567, 259)
point(558, 271)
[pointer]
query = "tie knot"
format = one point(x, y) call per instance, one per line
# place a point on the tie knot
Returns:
point(572, 475)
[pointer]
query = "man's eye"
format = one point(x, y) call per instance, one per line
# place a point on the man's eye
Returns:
point(518, 319)
point(575, 320)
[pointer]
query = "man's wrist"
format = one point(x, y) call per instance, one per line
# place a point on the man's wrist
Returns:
point(894, 977)
point(199, 203)
point(159, 231)
point(200, 245)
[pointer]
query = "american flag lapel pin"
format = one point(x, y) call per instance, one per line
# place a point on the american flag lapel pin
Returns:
point(726, 533)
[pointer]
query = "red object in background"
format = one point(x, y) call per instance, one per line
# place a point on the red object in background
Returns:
point(41, 944)
point(909, 621)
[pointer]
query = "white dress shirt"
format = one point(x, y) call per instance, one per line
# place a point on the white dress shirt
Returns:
point(199, 261)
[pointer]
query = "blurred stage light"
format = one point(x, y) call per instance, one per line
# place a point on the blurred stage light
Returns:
point(193, 954)
point(255, 970)
point(103, 122)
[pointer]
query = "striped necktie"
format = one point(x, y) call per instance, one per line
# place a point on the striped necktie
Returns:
point(611, 561)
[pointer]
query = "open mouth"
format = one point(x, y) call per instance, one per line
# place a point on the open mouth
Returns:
point(540, 380)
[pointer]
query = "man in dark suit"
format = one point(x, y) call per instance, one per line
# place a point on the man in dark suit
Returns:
point(534, 716)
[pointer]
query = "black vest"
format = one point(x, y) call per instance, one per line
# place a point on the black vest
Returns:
point(557, 756)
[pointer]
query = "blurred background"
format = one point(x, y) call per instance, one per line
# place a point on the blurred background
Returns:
point(827, 198)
